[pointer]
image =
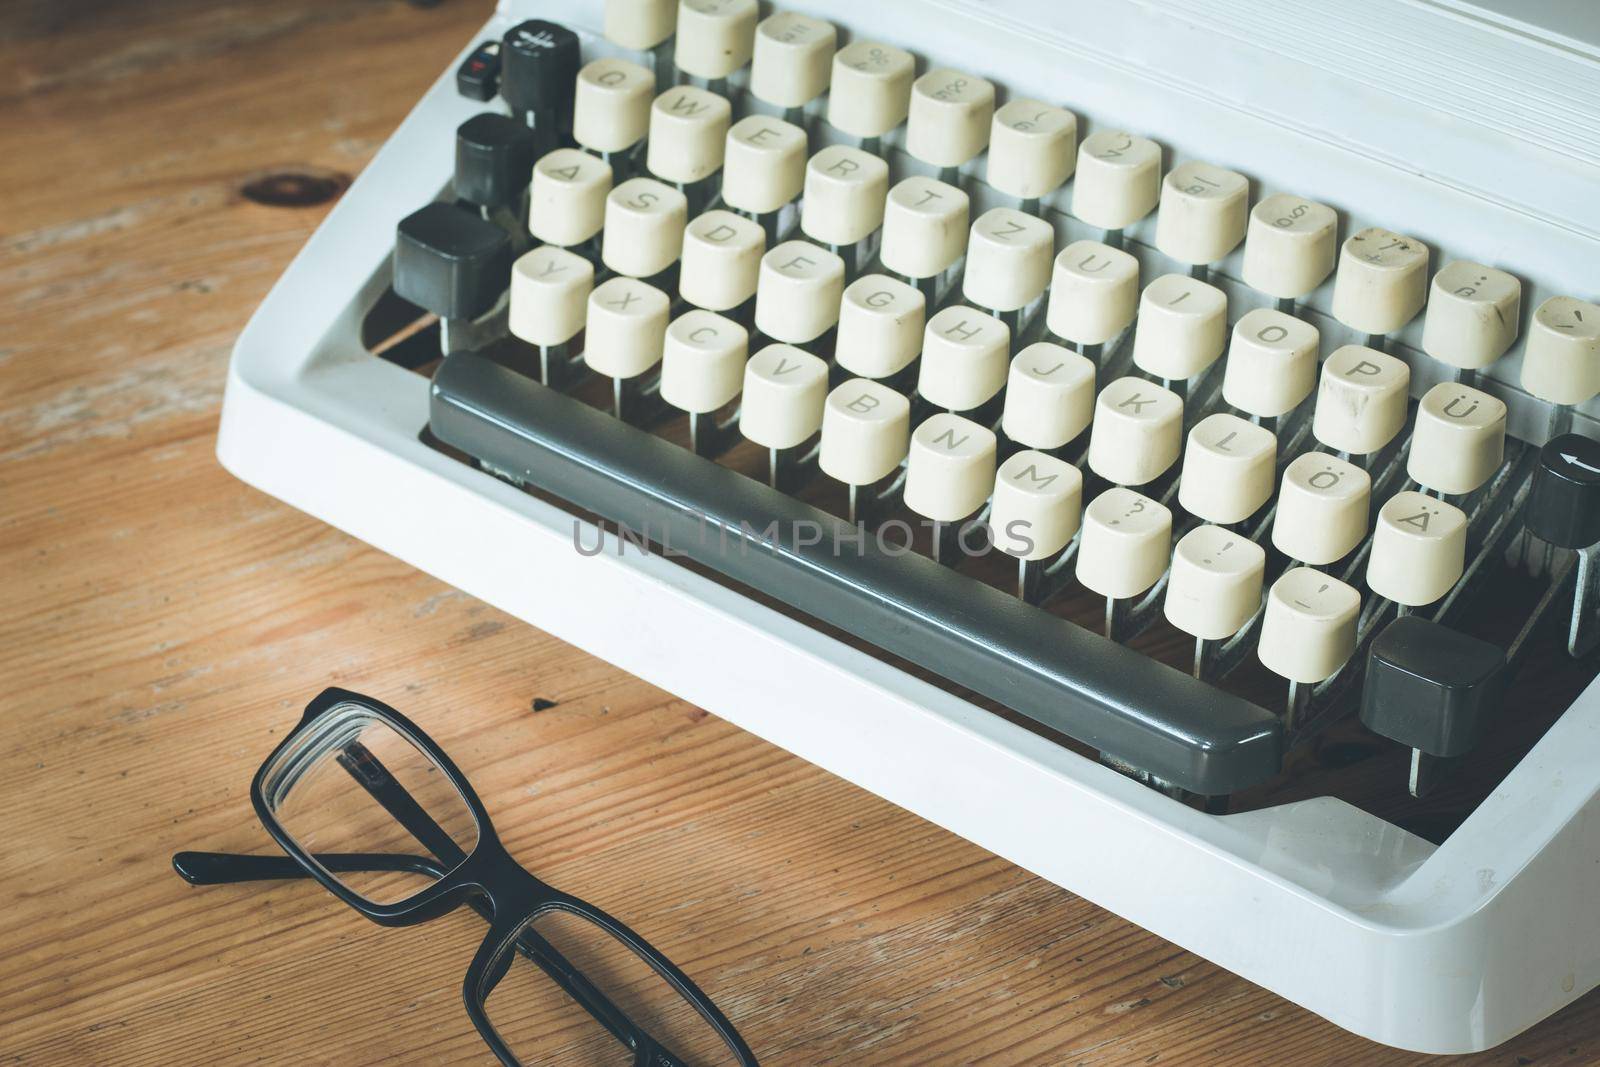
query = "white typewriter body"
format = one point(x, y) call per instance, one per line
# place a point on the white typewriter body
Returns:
point(1477, 133)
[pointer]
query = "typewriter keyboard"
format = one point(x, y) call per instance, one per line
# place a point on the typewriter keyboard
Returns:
point(877, 348)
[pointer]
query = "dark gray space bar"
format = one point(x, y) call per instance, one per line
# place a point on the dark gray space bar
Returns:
point(1045, 668)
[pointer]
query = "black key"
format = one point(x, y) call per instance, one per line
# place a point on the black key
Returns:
point(1431, 688)
point(494, 160)
point(450, 262)
point(1564, 507)
point(538, 75)
point(478, 77)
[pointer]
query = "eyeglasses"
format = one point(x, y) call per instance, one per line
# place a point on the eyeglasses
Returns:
point(354, 791)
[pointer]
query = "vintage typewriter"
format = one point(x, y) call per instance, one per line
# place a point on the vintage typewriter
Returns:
point(1153, 440)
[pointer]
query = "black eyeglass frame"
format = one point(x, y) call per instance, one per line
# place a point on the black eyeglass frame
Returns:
point(487, 878)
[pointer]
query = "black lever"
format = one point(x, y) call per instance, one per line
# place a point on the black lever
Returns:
point(452, 263)
point(1432, 689)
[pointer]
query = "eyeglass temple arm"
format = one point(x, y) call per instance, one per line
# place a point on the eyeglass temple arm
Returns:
point(369, 772)
point(226, 868)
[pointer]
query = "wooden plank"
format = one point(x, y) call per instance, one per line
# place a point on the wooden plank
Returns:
point(164, 623)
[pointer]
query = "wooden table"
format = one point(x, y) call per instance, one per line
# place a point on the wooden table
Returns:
point(163, 624)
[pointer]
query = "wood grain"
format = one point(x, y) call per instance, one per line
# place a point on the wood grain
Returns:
point(163, 624)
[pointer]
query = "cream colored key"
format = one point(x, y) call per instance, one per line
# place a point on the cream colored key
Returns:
point(797, 296)
point(1361, 402)
point(1126, 540)
point(950, 468)
point(1138, 430)
point(845, 190)
point(871, 88)
point(1228, 469)
point(1419, 548)
point(1008, 259)
point(866, 430)
point(702, 361)
point(1290, 246)
point(1310, 626)
point(715, 37)
point(644, 227)
point(1094, 293)
point(950, 115)
point(721, 260)
point(793, 59)
point(1037, 505)
point(567, 201)
point(1215, 586)
point(1118, 179)
point(688, 132)
point(1382, 281)
point(549, 295)
point(1272, 363)
point(784, 392)
point(764, 164)
point(1203, 212)
point(1322, 509)
point(881, 321)
point(1049, 396)
point(1032, 148)
point(1561, 357)
point(639, 24)
point(924, 227)
point(964, 357)
point(1472, 315)
point(611, 104)
point(1183, 327)
point(626, 328)
point(1459, 440)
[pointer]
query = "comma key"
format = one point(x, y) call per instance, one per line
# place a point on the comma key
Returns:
point(1126, 541)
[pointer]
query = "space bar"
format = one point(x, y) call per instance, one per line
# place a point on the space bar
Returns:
point(1044, 668)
